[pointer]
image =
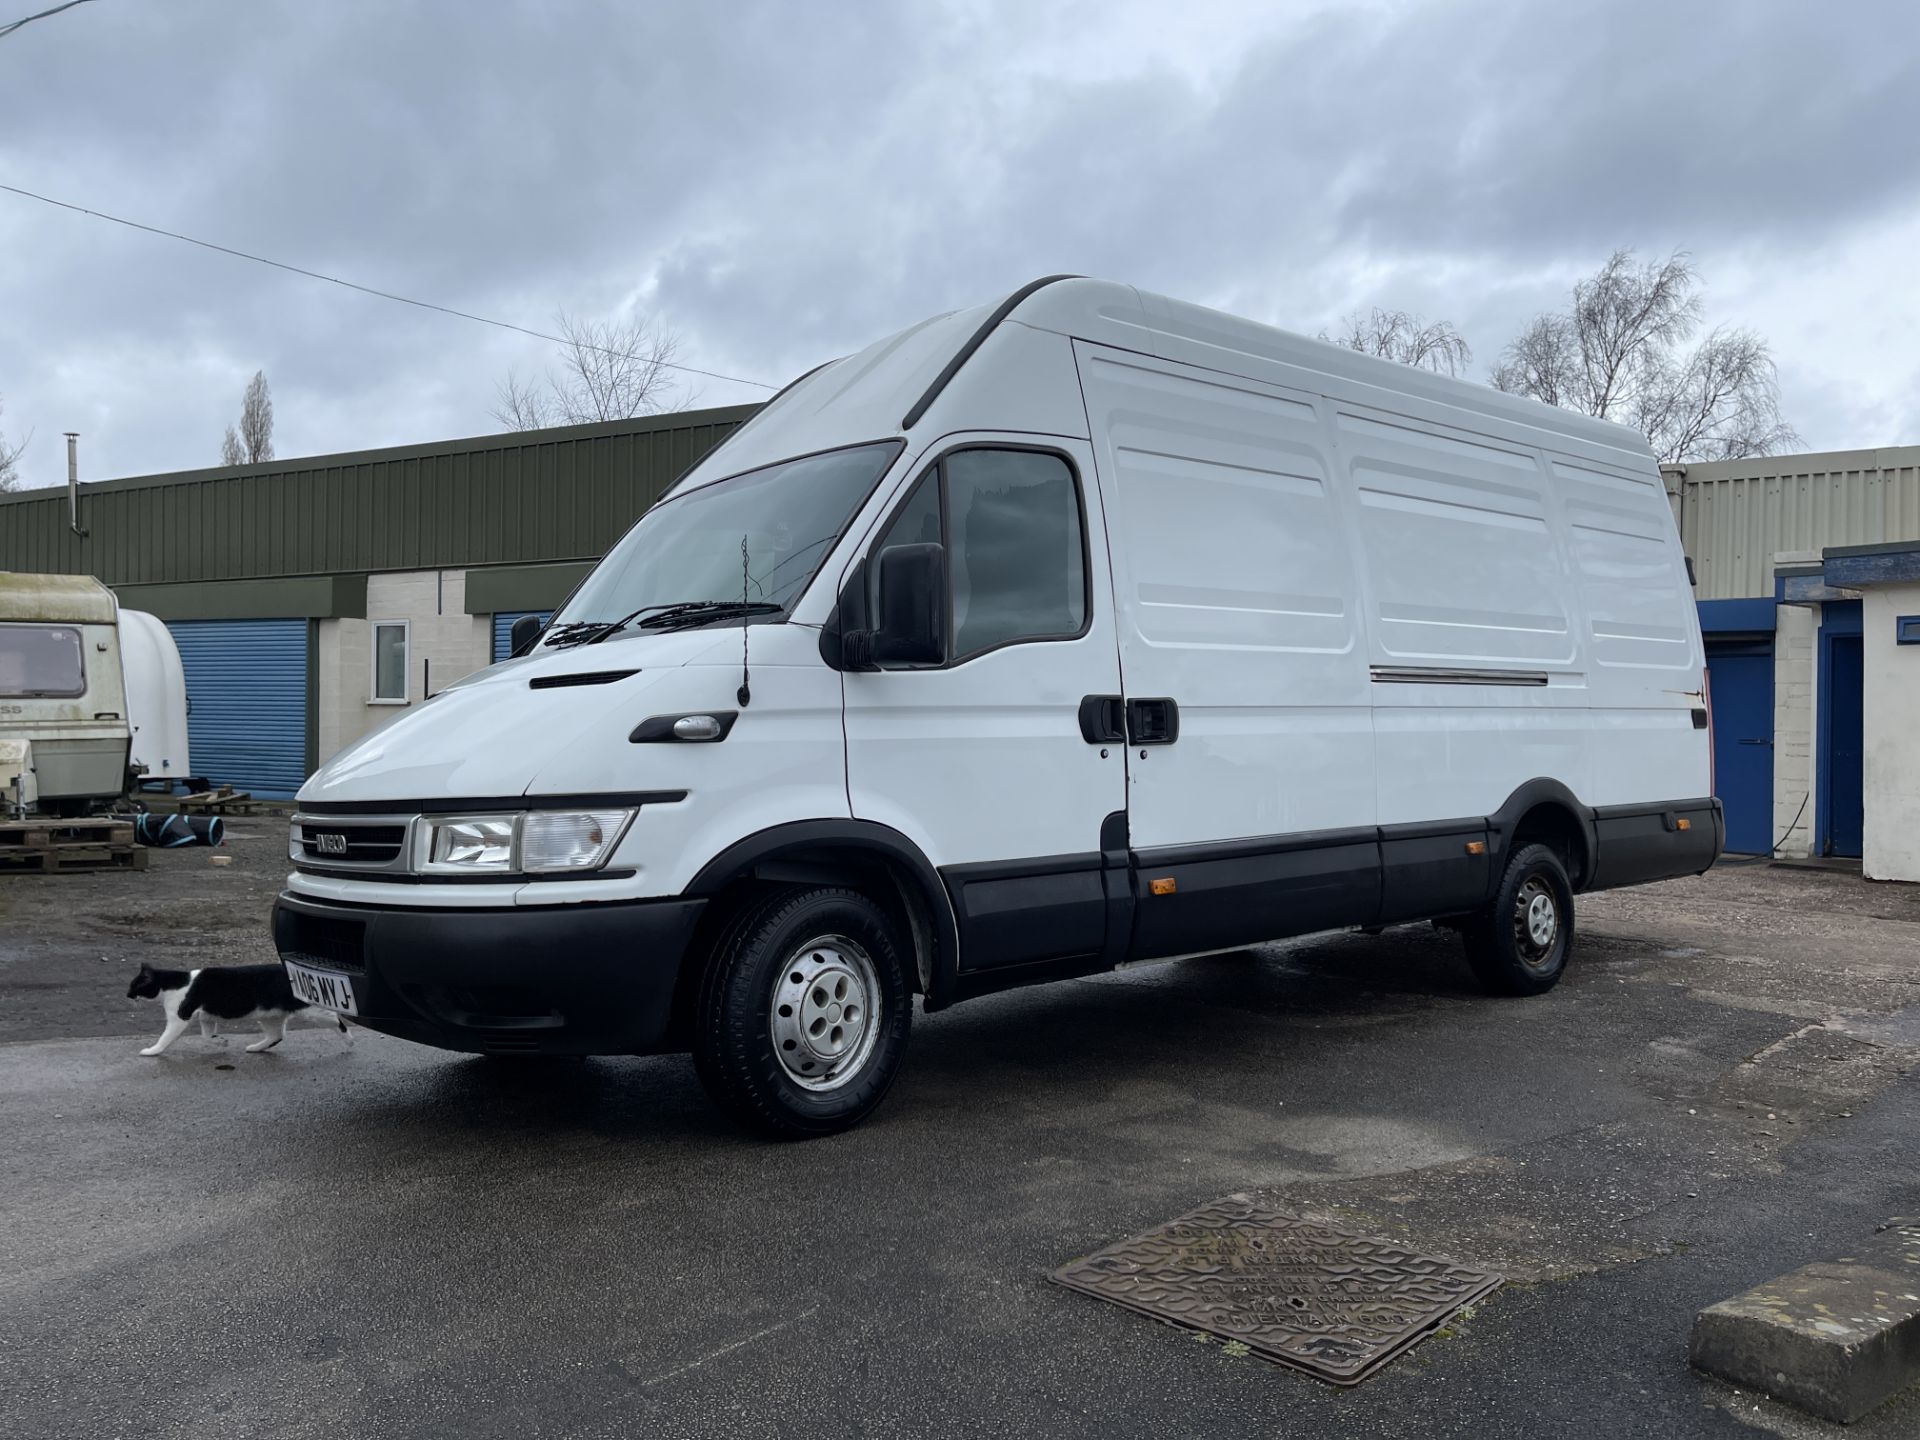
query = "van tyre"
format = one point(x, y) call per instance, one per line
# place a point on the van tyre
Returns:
point(1519, 944)
point(803, 1013)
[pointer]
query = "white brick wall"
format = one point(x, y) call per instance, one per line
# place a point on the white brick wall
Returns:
point(1892, 754)
point(1793, 727)
point(444, 645)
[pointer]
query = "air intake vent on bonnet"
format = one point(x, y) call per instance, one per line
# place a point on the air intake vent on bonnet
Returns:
point(587, 677)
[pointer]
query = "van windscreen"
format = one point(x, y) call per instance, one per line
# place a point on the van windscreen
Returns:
point(686, 551)
point(41, 661)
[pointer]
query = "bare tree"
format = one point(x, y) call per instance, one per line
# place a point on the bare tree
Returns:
point(251, 441)
point(256, 420)
point(1408, 338)
point(608, 370)
point(9, 455)
point(1619, 353)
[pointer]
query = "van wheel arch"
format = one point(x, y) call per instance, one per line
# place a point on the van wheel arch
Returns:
point(1545, 812)
point(875, 859)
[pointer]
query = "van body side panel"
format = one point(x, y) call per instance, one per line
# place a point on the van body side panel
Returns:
point(1235, 595)
point(1467, 579)
point(1644, 633)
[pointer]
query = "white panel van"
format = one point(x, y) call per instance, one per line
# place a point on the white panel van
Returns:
point(1085, 628)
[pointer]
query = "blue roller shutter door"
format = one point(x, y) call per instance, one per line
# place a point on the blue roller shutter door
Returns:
point(503, 630)
point(247, 689)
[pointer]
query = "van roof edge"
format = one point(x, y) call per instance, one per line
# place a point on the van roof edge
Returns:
point(974, 342)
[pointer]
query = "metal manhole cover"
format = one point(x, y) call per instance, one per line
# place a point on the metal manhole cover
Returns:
point(1333, 1304)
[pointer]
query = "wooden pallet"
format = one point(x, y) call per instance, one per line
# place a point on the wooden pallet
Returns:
point(45, 830)
point(212, 802)
point(46, 845)
point(61, 859)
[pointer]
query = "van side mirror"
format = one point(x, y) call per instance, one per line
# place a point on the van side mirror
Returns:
point(525, 631)
point(913, 606)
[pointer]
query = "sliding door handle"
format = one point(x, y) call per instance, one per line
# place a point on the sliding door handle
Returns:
point(1152, 722)
point(1103, 720)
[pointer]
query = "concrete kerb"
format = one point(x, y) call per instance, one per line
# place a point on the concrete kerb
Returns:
point(1835, 1338)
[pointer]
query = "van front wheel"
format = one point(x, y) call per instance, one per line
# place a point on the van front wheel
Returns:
point(1519, 944)
point(804, 1012)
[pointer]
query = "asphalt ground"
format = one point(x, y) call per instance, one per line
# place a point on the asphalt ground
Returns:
point(354, 1236)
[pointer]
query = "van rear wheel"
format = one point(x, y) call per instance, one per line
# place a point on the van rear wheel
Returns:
point(1519, 944)
point(803, 1013)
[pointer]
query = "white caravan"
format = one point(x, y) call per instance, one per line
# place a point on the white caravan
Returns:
point(63, 703)
point(156, 699)
point(1083, 628)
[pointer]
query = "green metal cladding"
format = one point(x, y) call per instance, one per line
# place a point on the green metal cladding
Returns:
point(532, 497)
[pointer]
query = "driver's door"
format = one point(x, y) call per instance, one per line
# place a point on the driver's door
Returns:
point(981, 759)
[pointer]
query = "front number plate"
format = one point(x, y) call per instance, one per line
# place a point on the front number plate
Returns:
point(324, 988)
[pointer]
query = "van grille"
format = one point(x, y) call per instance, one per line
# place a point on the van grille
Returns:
point(374, 843)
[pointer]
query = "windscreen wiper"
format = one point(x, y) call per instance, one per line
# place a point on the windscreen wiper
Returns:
point(684, 612)
point(586, 632)
point(698, 612)
point(570, 633)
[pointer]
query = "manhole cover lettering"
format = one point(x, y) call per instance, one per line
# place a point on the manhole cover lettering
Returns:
point(1333, 1304)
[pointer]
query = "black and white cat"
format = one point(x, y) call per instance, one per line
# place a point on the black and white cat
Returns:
point(220, 992)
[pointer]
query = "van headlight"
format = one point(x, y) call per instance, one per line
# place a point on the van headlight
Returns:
point(539, 842)
point(466, 844)
point(553, 840)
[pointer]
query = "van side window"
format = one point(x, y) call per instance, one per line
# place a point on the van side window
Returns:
point(918, 523)
point(1015, 557)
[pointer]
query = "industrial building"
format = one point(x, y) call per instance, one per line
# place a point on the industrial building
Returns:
point(1807, 572)
point(311, 598)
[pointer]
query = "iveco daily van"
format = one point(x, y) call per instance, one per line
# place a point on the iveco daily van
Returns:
point(1084, 628)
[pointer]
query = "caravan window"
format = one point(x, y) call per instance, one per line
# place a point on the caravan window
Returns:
point(41, 661)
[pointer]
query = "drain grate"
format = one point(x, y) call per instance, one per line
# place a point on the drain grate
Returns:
point(1334, 1304)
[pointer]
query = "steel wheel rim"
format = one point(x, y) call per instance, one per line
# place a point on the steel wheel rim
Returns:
point(824, 1019)
point(1536, 922)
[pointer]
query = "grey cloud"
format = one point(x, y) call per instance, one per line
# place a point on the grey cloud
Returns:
point(788, 182)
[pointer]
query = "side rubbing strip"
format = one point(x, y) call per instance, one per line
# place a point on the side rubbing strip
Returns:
point(1425, 675)
point(979, 338)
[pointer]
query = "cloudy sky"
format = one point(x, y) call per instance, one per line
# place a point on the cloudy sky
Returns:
point(783, 182)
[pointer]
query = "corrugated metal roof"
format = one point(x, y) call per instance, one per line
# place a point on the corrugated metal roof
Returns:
point(521, 498)
point(1736, 515)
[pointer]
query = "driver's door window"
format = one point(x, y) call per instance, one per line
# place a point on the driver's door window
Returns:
point(1010, 522)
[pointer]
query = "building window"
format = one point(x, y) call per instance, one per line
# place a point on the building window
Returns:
point(390, 647)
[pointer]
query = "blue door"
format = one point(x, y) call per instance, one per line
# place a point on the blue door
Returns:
point(1845, 805)
point(247, 702)
point(503, 630)
point(1742, 678)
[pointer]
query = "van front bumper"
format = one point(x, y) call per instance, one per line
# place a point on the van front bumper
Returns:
point(588, 979)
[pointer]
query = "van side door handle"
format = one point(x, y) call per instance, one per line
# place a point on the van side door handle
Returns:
point(1103, 720)
point(1152, 722)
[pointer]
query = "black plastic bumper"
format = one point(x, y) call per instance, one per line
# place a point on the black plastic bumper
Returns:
point(560, 980)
